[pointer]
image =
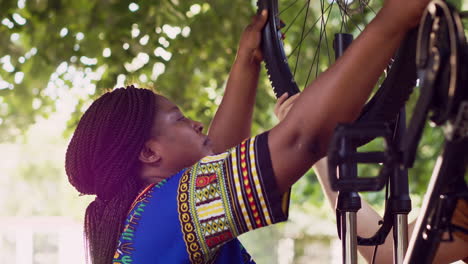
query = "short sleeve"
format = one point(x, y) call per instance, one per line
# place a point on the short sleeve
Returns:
point(225, 195)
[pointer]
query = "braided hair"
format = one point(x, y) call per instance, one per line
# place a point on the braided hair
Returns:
point(102, 160)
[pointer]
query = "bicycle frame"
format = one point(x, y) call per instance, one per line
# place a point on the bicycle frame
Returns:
point(447, 183)
point(343, 155)
point(439, 204)
point(447, 179)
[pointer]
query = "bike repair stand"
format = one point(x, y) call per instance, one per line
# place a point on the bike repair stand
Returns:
point(343, 154)
point(400, 201)
point(348, 203)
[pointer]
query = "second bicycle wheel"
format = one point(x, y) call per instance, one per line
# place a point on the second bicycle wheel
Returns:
point(297, 46)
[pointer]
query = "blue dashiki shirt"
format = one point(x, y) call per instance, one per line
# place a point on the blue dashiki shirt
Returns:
point(197, 214)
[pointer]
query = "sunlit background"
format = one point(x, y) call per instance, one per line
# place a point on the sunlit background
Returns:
point(57, 56)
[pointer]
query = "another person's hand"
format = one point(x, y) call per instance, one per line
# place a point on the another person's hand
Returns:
point(284, 104)
point(249, 44)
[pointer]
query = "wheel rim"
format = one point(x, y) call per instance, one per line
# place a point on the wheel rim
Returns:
point(285, 76)
point(308, 28)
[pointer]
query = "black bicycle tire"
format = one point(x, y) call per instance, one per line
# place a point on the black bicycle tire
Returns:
point(386, 103)
point(278, 71)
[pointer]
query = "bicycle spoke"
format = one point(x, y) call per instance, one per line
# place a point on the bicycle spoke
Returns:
point(308, 32)
point(351, 19)
point(325, 27)
point(294, 19)
point(289, 6)
point(322, 32)
point(302, 34)
point(311, 67)
point(317, 52)
point(343, 20)
point(370, 8)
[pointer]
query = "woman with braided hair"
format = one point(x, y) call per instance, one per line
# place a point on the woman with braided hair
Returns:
point(94, 167)
point(167, 193)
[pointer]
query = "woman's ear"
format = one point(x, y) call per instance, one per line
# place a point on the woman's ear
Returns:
point(149, 153)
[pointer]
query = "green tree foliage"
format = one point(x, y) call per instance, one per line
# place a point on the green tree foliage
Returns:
point(56, 52)
point(184, 48)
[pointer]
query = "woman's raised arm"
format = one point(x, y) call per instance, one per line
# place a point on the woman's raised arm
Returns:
point(233, 120)
point(339, 93)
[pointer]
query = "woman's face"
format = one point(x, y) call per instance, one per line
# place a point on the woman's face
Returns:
point(180, 139)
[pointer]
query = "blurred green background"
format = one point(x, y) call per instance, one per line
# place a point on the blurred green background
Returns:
point(56, 56)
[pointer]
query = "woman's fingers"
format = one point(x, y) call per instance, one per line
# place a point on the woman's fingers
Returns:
point(259, 20)
point(278, 104)
point(290, 101)
point(251, 37)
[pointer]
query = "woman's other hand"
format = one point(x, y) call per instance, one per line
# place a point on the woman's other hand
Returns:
point(283, 105)
point(249, 44)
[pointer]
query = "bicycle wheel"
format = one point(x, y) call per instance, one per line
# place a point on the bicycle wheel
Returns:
point(290, 65)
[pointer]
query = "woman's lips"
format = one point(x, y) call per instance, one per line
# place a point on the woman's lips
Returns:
point(207, 141)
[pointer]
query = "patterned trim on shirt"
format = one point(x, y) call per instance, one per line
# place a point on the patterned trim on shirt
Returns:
point(188, 229)
point(205, 220)
point(247, 187)
point(220, 198)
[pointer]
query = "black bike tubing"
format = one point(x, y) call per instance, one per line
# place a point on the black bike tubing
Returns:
point(450, 166)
